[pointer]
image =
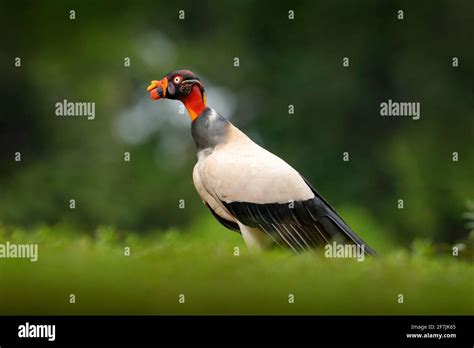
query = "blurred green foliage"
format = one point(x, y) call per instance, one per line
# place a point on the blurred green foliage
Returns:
point(201, 265)
point(282, 62)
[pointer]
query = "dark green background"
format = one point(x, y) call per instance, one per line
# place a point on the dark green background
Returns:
point(282, 62)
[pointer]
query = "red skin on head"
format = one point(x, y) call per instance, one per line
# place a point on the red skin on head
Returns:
point(194, 102)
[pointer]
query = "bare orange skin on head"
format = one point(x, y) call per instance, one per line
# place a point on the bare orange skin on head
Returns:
point(162, 85)
point(194, 102)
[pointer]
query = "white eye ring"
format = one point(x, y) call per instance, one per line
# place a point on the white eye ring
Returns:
point(177, 79)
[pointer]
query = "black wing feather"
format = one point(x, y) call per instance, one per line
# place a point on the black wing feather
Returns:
point(231, 225)
point(300, 225)
point(339, 222)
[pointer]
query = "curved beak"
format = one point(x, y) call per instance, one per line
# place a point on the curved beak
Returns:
point(157, 89)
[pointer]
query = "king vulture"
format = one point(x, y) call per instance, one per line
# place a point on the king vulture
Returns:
point(247, 188)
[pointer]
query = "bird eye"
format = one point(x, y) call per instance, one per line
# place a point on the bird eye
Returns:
point(177, 79)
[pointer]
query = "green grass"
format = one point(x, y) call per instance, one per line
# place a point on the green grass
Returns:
point(201, 265)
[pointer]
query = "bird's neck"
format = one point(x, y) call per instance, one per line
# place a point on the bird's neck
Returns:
point(209, 130)
point(195, 102)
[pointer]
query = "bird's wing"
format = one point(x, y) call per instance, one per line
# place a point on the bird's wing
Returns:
point(300, 225)
point(241, 171)
point(261, 190)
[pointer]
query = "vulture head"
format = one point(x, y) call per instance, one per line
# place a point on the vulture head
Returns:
point(181, 85)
